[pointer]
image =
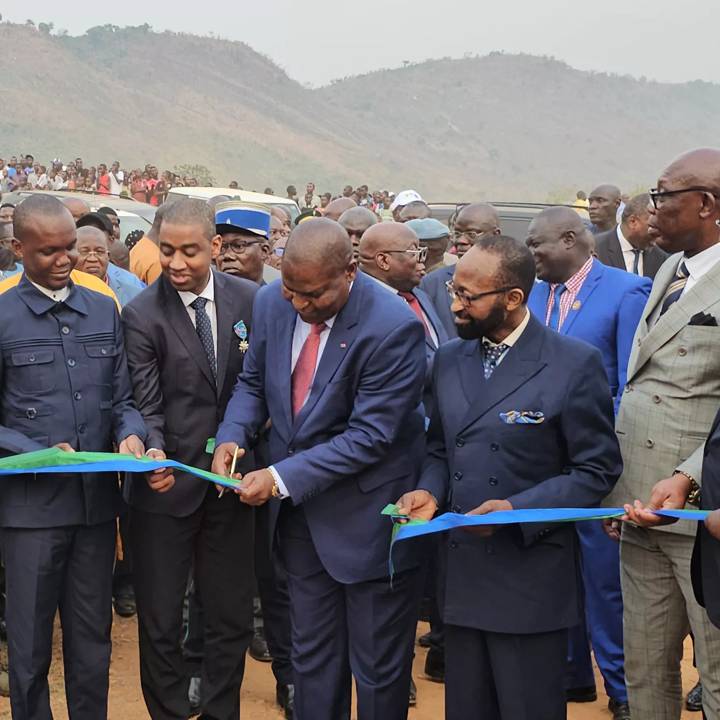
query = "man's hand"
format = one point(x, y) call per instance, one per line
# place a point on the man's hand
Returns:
point(257, 487)
point(489, 506)
point(64, 447)
point(712, 523)
point(668, 494)
point(162, 479)
point(132, 445)
point(223, 461)
point(612, 528)
point(417, 505)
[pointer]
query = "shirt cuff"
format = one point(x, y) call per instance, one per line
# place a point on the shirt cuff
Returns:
point(281, 485)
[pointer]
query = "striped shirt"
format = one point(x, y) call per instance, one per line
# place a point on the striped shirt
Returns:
point(573, 286)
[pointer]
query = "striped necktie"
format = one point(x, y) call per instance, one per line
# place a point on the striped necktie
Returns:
point(676, 287)
point(554, 322)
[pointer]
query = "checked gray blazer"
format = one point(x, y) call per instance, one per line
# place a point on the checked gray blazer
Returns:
point(673, 390)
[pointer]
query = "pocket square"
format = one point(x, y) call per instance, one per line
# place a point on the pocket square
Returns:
point(702, 319)
point(522, 417)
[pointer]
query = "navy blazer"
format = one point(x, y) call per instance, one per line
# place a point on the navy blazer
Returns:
point(433, 285)
point(358, 442)
point(64, 379)
point(524, 578)
point(605, 314)
point(181, 402)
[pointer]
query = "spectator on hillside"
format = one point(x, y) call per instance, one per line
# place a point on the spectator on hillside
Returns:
point(103, 180)
point(292, 193)
point(347, 191)
point(310, 201)
point(117, 179)
point(401, 200)
point(234, 185)
point(7, 213)
point(325, 199)
point(603, 205)
point(138, 185)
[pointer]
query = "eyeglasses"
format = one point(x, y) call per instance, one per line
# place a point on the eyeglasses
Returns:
point(238, 248)
point(467, 299)
point(657, 196)
point(471, 236)
point(420, 254)
point(98, 253)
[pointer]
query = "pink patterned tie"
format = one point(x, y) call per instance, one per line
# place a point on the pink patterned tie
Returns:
point(304, 371)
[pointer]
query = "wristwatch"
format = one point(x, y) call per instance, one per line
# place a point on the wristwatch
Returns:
point(275, 492)
point(693, 497)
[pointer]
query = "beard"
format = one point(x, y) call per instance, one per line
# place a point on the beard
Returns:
point(475, 329)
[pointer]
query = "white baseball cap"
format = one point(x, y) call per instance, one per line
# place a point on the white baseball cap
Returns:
point(405, 198)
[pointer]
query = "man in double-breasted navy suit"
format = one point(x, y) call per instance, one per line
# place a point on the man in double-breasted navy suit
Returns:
point(337, 364)
point(523, 419)
point(63, 383)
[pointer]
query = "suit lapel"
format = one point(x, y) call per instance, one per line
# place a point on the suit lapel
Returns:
point(185, 330)
point(432, 317)
point(615, 251)
point(286, 329)
point(520, 364)
point(591, 282)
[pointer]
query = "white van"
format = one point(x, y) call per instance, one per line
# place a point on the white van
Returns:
point(205, 193)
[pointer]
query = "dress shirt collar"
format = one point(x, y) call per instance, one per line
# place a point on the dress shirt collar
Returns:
point(208, 293)
point(625, 245)
point(389, 288)
point(704, 261)
point(574, 283)
point(56, 295)
point(514, 336)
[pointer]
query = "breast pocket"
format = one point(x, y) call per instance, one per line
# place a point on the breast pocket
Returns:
point(101, 362)
point(32, 371)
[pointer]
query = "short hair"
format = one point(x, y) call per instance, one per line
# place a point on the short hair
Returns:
point(40, 205)
point(106, 210)
point(191, 212)
point(4, 205)
point(291, 190)
point(636, 205)
point(517, 266)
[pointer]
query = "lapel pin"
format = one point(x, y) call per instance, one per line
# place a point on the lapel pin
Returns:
point(576, 305)
point(343, 345)
point(240, 329)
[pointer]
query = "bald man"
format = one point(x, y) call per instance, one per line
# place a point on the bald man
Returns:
point(77, 207)
point(356, 221)
point(337, 207)
point(472, 223)
point(578, 296)
point(670, 401)
point(604, 203)
point(337, 364)
point(416, 210)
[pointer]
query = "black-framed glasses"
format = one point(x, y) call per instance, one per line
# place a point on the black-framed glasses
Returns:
point(466, 299)
point(656, 196)
point(239, 247)
point(419, 253)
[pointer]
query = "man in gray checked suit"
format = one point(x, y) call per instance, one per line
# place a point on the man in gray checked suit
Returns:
point(670, 401)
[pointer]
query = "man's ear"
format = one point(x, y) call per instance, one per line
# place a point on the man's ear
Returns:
point(17, 248)
point(216, 242)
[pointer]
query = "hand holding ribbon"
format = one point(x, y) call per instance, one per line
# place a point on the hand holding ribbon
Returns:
point(489, 506)
point(417, 505)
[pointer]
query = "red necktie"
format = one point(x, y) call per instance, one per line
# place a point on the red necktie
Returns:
point(304, 371)
point(412, 301)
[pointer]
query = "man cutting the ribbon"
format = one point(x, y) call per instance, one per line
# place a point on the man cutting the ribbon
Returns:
point(523, 418)
point(337, 363)
point(64, 383)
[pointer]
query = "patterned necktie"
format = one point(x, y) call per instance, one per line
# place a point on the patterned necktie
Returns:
point(204, 331)
point(414, 304)
point(491, 357)
point(636, 260)
point(304, 371)
point(555, 312)
point(676, 287)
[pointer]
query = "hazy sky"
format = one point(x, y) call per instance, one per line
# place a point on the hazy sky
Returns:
point(668, 40)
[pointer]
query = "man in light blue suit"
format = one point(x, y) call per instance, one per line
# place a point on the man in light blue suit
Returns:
point(338, 366)
point(580, 297)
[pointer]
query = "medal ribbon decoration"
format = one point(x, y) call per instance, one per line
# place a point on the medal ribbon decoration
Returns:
point(240, 329)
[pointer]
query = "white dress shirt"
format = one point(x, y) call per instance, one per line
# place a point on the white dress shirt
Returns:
point(512, 338)
point(700, 264)
point(628, 252)
point(57, 295)
point(209, 294)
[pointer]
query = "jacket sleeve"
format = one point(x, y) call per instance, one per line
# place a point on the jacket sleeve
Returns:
point(593, 460)
point(389, 387)
point(126, 418)
point(629, 314)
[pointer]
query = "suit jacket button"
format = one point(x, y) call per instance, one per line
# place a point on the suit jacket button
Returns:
point(65, 330)
point(31, 413)
point(657, 399)
point(459, 442)
point(494, 447)
point(453, 545)
point(82, 428)
point(650, 443)
point(682, 351)
point(457, 477)
point(493, 481)
point(291, 451)
point(71, 362)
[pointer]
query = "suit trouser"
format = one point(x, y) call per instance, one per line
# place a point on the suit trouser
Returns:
point(216, 540)
point(603, 622)
point(122, 576)
point(69, 568)
point(660, 611)
point(364, 629)
point(498, 676)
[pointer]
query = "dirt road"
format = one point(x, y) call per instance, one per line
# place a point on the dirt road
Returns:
point(258, 693)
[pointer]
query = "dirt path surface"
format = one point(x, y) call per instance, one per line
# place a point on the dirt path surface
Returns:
point(258, 692)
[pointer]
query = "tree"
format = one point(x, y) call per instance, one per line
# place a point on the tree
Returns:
point(45, 28)
point(201, 173)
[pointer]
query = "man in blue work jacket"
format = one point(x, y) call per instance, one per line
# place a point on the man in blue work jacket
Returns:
point(63, 383)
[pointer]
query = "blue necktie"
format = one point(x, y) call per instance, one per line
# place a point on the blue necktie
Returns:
point(204, 331)
point(555, 312)
point(491, 357)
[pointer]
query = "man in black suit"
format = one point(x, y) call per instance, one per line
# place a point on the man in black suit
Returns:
point(628, 246)
point(473, 222)
point(502, 439)
point(187, 335)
